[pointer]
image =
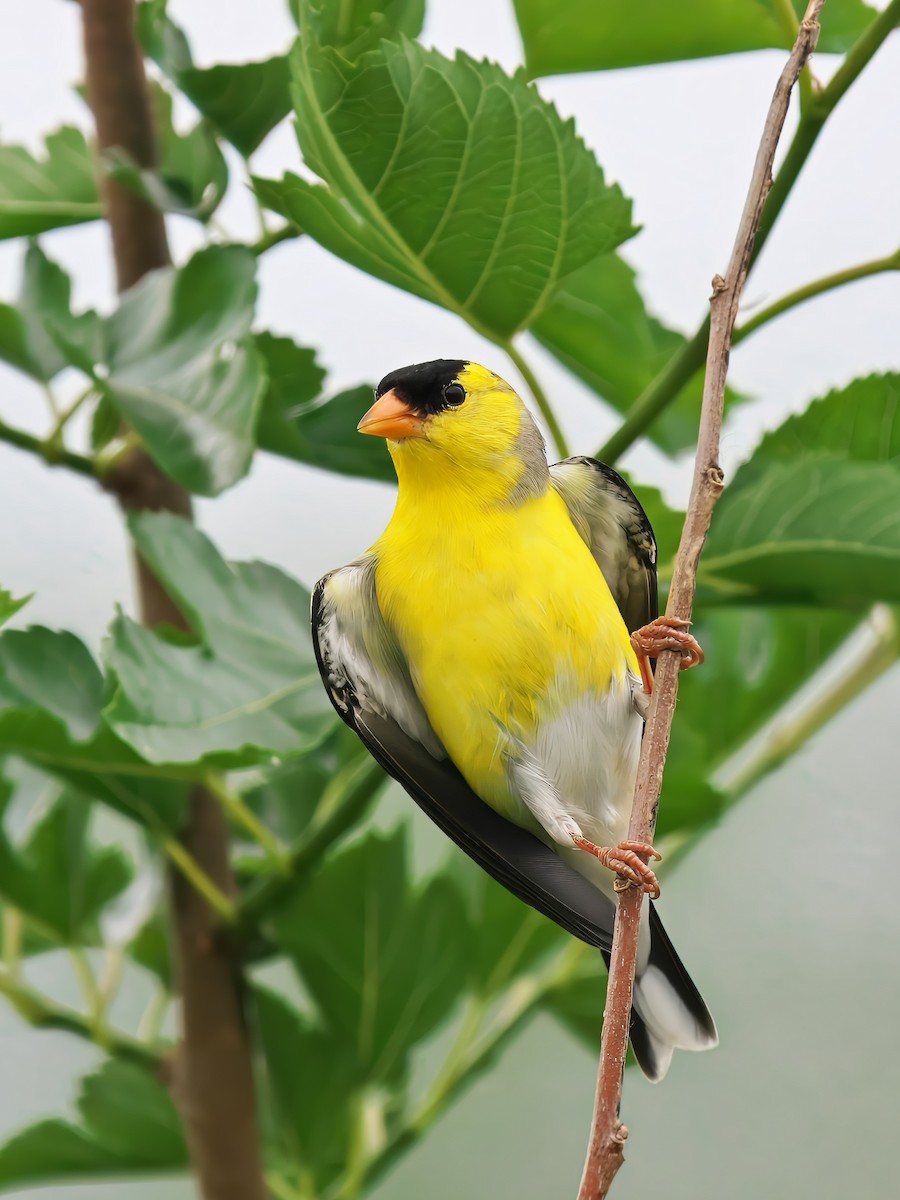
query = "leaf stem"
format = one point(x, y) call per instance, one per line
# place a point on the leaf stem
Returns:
point(817, 287)
point(86, 982)
point(109, 980)
point(154, 1015)
point(657, 395)
point(54, 438)
point(184, 861)
point(243, 816)
point(281, 1189)
point(274, 237)
point(12, 940)
point(43, 1013)
point(689, 358)
point(50, 396)
point(343, 803)
point(540, 399)
point(53, 456)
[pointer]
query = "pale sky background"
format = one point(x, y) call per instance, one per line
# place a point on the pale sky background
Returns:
point(803, 975)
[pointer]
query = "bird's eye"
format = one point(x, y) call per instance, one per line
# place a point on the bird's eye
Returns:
point(454, 394)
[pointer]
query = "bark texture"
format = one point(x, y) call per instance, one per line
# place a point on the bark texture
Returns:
point(211, 1074)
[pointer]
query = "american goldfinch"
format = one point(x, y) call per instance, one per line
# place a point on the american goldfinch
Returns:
point(481, 650)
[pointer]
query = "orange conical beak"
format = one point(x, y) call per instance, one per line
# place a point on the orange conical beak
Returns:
point(391, 417)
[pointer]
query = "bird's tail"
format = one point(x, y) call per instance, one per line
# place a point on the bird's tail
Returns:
point(669, 1013)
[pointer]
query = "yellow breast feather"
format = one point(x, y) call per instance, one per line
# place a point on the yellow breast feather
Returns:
point(504, 618)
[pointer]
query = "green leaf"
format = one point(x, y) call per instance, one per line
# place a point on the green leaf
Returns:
point(354, 27)
point(244, 101)
point(58, 877)
point(598, 327)
point(584, 36)
point(52, 672)
point(128, 1125)
point(578, 1003)
point(506, 938)
point(41, 194)
point(9, 605)
point(183, 370)
point(823, 530)
point(51, 698)
point(689, 800)
point(815, 514)
point(861, 422)
point(249, 690)
point(192, 177)
point(387, 966)
point(757, 657)
point(160, 38)
point(289, 798)
point(31, 331)
point(129, 1110)
point(315, 1082)
point(150, 948)
point(405, 141)
point(298, 423)
point(105, 423)
point(54, 1150)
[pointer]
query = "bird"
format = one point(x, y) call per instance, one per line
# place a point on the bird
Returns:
point(491, 652)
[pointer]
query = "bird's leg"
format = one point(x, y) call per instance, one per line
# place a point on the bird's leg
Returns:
point(665, 633)
point(625, 861)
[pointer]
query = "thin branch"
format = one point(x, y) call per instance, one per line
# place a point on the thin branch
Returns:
point(52, 455)
point(818, 287)
point(540, 399)
point(689, 358)
point(605, 1151)
point(790, 23)
point(43, 1013)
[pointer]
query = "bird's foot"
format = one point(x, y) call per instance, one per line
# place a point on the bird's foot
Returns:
point(665, 633)
point(625, 861)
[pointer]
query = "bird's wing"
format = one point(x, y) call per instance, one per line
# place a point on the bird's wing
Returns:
point(606, 513)
point(368, 681)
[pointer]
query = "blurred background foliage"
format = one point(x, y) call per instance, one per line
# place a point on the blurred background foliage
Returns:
point(379, 983)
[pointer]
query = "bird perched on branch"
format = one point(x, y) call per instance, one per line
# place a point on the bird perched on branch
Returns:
point(491, 652)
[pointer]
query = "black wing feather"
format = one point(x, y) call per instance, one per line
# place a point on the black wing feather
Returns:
point(609, 517)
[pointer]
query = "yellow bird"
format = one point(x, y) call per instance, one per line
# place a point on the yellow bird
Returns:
point(490, 649)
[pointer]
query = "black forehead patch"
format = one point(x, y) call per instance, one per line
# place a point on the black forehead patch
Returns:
point(421, 385)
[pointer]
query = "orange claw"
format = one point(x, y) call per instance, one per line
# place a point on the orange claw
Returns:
point(624, 860)
point(665, 633)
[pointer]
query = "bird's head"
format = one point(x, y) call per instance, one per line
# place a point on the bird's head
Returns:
point(451, 423)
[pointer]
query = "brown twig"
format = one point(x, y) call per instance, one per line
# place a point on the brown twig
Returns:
point(211, 1073)
point(605, 1150)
